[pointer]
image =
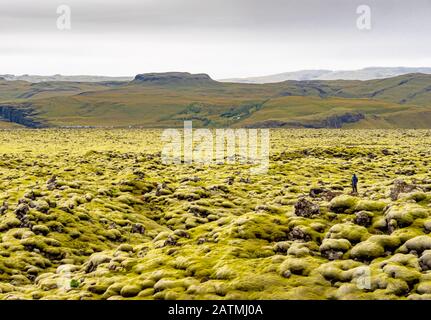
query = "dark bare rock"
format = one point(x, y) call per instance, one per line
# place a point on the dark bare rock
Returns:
point(386, 152)
point(400, 186)
point(363, 218)
point(21, 213)
point(332, 254)
point(170, 241)
point(406, 172)
point(305, 208)
point(322, 193)
point(138, 228)
point(298, 234)
point(245, 180)
point(229, 181)
point(51, 184)
point(4, 208)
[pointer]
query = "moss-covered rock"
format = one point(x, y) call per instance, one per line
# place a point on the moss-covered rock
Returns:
point(406, 274)
point(417, 244)
point(342, 245)
point(298, 266)
point(130, 291)
point(349, 231)
point(367, 250)
point(405, 214)
point(370, 205)
point(343, 204)
point(424, 287)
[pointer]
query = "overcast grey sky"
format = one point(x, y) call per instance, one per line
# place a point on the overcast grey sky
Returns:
point(224, 38)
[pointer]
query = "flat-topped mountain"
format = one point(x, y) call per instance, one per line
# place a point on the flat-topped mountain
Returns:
point(173, 78)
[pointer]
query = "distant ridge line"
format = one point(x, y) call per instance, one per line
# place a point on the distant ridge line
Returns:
point(364, 74)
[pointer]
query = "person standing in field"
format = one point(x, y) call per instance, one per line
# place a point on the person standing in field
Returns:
point(355, 183)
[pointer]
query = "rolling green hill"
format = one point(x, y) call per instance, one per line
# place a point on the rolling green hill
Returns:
point(166, 100)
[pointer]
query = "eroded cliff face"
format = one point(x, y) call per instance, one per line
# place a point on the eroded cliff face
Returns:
point(337, 121)
point(332, 122)
point(23, 115)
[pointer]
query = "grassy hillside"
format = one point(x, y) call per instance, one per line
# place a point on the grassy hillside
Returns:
point(9, 125)
point(166, 100)
point(22, 90)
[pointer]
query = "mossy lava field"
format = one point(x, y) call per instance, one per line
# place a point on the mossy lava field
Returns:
point(95, 214)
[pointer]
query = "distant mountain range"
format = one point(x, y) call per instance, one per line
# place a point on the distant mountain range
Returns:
point(59, 77)
point(166, 100)
point(302, 75)
point(306, 75)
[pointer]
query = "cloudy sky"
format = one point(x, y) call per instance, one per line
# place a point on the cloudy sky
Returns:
point(224, 38)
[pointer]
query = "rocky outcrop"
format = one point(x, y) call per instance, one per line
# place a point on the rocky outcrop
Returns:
point(321, 193)
point(334, 121)
point(337, 120)
point(20, 114)
point(400, 186)
point(305, 208)
point(271, 124)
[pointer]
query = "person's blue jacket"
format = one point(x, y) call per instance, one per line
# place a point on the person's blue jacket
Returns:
point(354, 180)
